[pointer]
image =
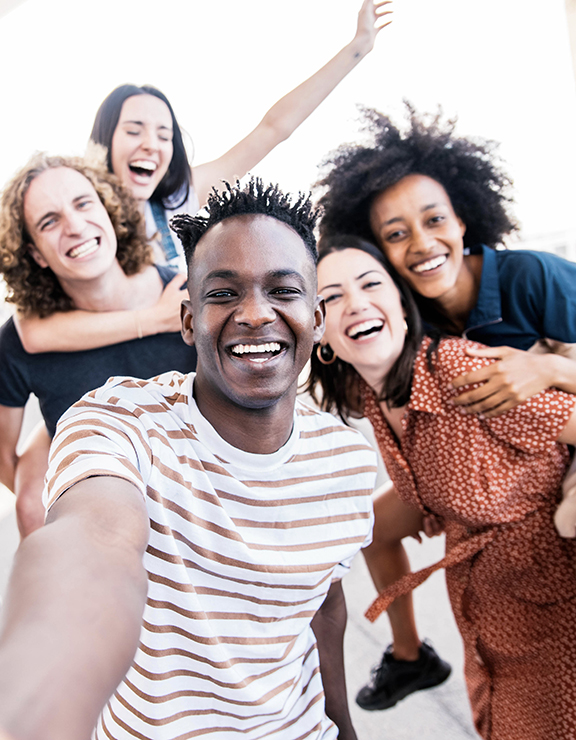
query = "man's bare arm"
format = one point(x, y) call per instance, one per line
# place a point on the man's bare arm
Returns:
point(73, 610)
point(329, 625)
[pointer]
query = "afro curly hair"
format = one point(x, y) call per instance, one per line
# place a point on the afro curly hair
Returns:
point(469, 170)
point(253, 198)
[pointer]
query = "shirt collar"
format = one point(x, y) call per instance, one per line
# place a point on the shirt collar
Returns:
point(488, 308)
point(426, 395)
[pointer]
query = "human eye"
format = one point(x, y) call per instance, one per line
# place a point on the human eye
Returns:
point(285, 291)
point(394, 236)
point(220, 294)
point(85, 203)
point(374, 283)
point(332, 298)
point(436, 219)
point(47, 222)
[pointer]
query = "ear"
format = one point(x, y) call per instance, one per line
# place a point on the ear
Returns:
point(319, 316)
point(462, 226)
point(187, 328)
point(36, 256)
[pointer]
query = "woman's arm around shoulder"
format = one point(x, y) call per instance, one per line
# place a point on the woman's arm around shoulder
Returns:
point(73, 331)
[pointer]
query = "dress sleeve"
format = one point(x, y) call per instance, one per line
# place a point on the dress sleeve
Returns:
point(532, 426)
point(97, 437)
point(536, 424)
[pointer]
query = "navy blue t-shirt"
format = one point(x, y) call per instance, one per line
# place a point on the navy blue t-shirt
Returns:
point(524, 296)
point(59, 379)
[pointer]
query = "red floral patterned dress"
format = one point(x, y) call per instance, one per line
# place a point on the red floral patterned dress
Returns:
point(511, 578)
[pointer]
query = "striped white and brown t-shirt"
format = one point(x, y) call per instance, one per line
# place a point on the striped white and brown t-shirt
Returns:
point(242, 551)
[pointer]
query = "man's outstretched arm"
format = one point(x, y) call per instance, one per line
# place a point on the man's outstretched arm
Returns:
point(329, 625)
point(73, 610)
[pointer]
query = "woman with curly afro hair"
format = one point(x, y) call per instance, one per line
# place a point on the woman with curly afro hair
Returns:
point(71, 239)
point(437, 205)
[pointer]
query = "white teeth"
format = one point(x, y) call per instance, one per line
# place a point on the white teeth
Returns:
point(364, 326)
point(83, 249)
point(144, 164)
point(244, 349)
point(430, 264)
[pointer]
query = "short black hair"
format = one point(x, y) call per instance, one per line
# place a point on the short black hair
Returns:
point(469, 170)
point(253, 198)
point(172, 191)
point(339, 382)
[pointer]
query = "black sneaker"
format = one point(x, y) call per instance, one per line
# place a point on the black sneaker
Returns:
point(393, 679)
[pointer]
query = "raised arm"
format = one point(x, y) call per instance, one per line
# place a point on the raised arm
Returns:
point(290, 111)
point(72, 331)
point(329, 624)
point(73, 610)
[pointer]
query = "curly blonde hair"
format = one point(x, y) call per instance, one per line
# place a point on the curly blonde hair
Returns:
point(36, 290)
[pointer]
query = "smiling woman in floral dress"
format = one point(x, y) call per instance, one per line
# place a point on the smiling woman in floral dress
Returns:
point(496, 482)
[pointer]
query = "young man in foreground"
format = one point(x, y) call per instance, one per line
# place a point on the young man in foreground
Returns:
point(198, 525)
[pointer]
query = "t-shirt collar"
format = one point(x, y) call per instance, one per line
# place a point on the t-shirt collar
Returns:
point(488, 308)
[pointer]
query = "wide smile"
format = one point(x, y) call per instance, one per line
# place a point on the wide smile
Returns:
point(364, 329)
point(143, 170)
point(256, 353)
point(433, 263)
point(85, 249)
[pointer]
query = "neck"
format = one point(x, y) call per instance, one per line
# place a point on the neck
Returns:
point(115, 291)
point(260, 431)
point(456, 305)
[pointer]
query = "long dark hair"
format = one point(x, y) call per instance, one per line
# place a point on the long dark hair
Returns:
point(173, 189)
point(339, 382)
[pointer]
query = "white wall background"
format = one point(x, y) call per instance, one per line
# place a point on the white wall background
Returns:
point(502, 66)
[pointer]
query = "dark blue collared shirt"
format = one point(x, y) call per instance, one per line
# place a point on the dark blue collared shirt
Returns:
point(524, 296)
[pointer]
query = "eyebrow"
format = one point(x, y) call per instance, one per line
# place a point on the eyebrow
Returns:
point(398, 218)
point(141, 123)
point(55, 213)
point(339, 285)
point(231, 274)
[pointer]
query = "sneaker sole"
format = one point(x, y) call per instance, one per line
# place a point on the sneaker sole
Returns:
point(406, 692)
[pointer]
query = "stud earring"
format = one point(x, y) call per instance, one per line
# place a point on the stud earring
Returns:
point(325, 354)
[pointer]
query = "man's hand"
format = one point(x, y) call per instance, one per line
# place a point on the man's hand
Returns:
point(515, 377)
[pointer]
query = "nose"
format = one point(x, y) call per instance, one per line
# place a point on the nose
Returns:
point(74, 222)
point(149, 140)
point(254, 311)
point(422, 241)
point(356, 302)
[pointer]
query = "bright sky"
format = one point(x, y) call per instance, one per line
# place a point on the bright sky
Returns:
point(502, 66)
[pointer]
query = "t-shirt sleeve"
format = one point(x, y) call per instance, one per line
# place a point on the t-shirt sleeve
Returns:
point(95, 437)
point(344, 566)
point(544, 284)
point(14, 386)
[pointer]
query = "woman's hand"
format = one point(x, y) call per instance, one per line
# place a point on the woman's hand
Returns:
point(372, 18)
point(516, 376)
point(164, 316)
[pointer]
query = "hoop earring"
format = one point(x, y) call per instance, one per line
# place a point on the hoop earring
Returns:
point(325, 354)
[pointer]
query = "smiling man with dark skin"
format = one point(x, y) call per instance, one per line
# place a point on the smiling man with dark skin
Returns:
point(187, 581)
